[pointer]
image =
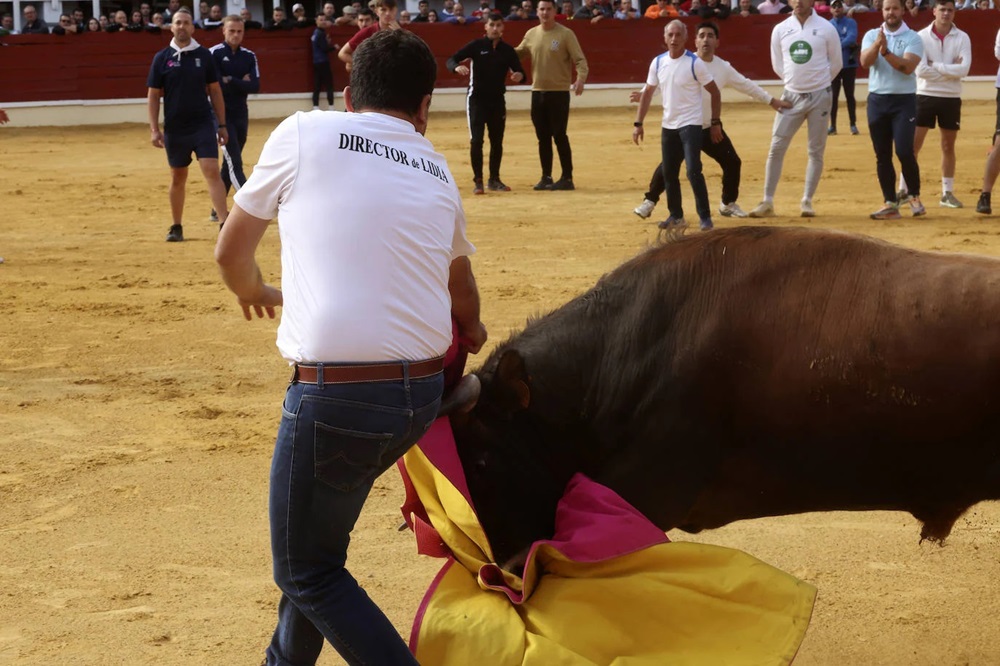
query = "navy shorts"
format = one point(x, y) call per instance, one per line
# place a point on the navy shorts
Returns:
point(202, 143)
point(947, 111)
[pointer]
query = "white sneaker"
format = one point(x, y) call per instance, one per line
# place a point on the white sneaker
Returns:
point(645, 209)
point(763, 209)
point(731, 210)
point(807, 208)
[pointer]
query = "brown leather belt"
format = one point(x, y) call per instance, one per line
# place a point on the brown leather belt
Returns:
point(346, 373)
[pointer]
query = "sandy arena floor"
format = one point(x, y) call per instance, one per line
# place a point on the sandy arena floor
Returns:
point(138, 408)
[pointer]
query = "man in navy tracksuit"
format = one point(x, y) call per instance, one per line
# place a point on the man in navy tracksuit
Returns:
point(239, 76)
point(491, 59)
point(182, 74)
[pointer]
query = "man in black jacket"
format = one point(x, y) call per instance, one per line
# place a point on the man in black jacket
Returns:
point(239, 76)
point(32, 24)
point(492, 59)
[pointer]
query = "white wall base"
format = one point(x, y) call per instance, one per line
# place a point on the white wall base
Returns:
point(113, 112)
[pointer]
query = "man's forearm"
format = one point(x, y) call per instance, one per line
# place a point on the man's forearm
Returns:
point(153, 108)
point(464, 294)
point(218, 105)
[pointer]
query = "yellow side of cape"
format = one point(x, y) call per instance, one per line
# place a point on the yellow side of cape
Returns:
point(670, 603)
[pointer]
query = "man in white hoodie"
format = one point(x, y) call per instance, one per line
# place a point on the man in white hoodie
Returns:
point(182, 73)
point(806, 55)
point(946, 61)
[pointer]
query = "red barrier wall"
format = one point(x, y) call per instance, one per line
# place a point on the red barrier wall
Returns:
point(114, 66)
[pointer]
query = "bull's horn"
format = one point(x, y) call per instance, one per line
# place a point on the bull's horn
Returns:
point(462, 398)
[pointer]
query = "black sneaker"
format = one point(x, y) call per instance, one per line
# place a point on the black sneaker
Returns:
point(983, 206)
point(176, 234)
point(477, 186)
point(496, 185)
point(213, 216)
point(544, 184)
point(563, 184)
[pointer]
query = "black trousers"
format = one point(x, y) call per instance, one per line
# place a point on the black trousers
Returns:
point(322, 78)
point(845, 77)
point(724, 153)
point(550, 116)
point(486, 115)
point(238, 128)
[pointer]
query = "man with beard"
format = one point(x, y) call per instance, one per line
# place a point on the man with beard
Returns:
point(891, 52)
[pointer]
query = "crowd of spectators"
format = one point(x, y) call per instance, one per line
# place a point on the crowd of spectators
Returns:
point(358, 15)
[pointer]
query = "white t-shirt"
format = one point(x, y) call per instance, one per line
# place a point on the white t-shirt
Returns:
point(725, 75)
point(806, 56)
point(680, 81)
point(370, 220)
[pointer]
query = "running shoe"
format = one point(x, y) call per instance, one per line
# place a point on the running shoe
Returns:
point(544, 184)
point(890, 211)
point(176, 234)
point(807, 208)
point(763, 209)
point(496, 185)
point(948, 200)
point(983, 205)
point(645, 209)
point(731, 210)
point(916, 207)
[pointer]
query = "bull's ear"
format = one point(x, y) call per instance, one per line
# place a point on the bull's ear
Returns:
point(462, 398)
point(513, 376)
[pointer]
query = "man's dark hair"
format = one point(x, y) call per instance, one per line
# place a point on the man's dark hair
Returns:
point(365, 11)
point(495, 16)
point(710, 25)
point(388, 4)
point(184, 10)
point(392, 71)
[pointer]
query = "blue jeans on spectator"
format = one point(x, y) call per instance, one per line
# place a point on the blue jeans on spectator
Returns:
point(684, 145)
point(333, 442)
point(892, 119)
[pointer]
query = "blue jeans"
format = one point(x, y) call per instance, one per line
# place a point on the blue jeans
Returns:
point(684, 145)
point(334, 440)
point(892, 119)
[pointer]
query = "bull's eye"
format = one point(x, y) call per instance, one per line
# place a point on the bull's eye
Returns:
point(480, 465)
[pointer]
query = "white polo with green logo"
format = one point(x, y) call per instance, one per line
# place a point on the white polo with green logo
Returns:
point(806, 56)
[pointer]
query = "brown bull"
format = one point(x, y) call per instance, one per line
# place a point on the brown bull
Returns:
point(746, 373)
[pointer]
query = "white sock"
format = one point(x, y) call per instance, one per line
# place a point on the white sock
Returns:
point(947, 184)
point(902, 184)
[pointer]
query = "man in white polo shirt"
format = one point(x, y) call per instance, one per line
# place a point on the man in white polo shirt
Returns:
point(680, 76)
point(946, 61)
point(806, 55)
point(369, 289)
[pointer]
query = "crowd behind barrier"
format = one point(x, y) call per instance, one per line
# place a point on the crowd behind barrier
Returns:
point(97, 66)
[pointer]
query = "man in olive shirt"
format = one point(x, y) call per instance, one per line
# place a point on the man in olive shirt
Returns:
point(554, 51)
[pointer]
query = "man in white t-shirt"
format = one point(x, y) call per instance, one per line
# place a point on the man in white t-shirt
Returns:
point(680, 76)
point(806, 55)
point(369, 290)
point(706, 41)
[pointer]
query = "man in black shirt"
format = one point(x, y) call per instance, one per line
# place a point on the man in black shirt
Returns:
point(492, 59)
point(183, 73)
point(32, 24)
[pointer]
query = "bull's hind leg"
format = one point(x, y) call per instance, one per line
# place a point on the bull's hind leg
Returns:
point(938, 521)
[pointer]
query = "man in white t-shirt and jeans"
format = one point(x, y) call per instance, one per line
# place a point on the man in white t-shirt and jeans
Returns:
point(369, 290)
point(806, 55)
point(680, 76)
